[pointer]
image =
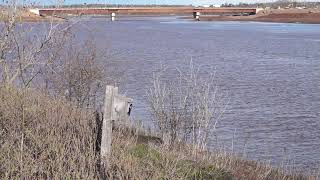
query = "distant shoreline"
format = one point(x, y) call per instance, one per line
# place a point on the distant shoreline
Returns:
point(304, 16)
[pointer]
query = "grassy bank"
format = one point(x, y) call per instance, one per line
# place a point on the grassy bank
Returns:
point(46, 138)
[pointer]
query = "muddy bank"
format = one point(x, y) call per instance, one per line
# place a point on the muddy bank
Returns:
point(307, 16)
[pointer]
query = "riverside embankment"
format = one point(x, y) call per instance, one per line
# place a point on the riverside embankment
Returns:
point(57, 140)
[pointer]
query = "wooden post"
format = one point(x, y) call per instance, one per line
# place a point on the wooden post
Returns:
point(106, 138)
point(116, 108)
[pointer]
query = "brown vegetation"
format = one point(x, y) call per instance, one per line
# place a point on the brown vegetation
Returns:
point(44, 138)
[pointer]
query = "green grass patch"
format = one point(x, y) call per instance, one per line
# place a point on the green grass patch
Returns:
point(191, 170)
point(186, 169)
point(142, 151)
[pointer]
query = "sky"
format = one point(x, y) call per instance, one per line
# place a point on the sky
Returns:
point(169, 2)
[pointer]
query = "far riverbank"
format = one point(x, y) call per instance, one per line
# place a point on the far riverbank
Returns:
point(306, 16)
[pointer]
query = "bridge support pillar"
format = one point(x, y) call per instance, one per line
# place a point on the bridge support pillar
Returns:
point(113, 16)
point(196, 16)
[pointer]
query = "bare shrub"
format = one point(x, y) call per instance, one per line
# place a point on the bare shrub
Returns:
point(188, 107)
point(76, 75)
point(47, 56)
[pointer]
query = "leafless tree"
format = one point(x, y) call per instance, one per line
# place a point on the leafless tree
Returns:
point(23, 48)
point(76, 74)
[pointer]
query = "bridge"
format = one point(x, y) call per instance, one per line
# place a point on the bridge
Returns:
point(196, 11)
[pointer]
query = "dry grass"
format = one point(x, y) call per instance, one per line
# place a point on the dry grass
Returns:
point(46, 138)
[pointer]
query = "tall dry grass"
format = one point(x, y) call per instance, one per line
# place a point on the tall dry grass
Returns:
point(45, 138)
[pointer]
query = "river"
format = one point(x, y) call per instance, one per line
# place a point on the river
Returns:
point(269, 71)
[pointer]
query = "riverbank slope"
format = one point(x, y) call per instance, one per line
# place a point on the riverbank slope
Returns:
point(46, 137)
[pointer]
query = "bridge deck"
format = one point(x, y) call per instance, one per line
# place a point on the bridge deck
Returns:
point(144, 10)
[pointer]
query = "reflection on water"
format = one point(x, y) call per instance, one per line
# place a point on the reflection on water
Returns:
point(270, 71)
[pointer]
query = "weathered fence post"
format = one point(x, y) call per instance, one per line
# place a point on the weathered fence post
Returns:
point(116, 108)
point(107, 123)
